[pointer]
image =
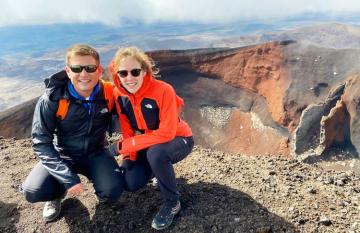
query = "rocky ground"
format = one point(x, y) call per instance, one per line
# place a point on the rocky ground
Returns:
point(220, 193)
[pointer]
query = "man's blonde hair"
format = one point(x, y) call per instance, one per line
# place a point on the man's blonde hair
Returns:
point(147, 64)
point(81, 50)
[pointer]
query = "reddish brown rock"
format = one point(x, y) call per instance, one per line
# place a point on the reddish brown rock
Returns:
point(257, 68)
point(16, 122)
point(307, 136)
point(351, 98)
point(246, 134)
point(335, 127)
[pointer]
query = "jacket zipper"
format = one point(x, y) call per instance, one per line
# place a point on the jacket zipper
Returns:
point(87, 138)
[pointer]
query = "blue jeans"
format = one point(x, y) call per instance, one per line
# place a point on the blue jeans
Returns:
point(100, 168)
point(158, 161)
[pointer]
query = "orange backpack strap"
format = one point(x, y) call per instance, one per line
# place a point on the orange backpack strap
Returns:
point(62, 108)
point(108, 94)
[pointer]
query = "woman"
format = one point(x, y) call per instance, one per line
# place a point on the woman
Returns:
point(154, 136)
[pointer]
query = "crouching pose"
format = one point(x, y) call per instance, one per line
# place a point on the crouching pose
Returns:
point(154, 135)
point(68, 134)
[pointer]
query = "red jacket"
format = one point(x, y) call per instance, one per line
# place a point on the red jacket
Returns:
point(148, 117)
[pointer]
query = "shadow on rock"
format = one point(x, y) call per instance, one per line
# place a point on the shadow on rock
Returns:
point(132, 213)
point(334, 154)
point(76, 215)
point(206, 207)
point(9, 216)
point(218, 208)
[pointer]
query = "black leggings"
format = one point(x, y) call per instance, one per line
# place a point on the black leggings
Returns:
point(158, 161)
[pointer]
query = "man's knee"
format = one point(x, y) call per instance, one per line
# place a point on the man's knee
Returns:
point(133, 187)
point(109, 188)
point(40, 193)
point(30, 195)
point(134, 182)
point(157, 155)
point(113, 192)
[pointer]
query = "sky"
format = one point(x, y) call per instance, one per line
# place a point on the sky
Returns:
point(117, 12)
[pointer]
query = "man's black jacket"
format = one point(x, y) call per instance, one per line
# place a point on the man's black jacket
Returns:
point(58, 142)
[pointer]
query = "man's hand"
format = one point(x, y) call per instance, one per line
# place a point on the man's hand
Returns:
point(76, 190)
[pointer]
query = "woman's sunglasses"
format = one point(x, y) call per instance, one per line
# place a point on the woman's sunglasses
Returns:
point(79, 69)
point(134, 72)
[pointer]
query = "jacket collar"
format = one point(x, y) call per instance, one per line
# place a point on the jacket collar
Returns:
point(55, 86)
point(56, 80)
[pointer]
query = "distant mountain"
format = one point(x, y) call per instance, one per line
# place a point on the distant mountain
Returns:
point(48, 38)
point(32, 60)
point(329, 35)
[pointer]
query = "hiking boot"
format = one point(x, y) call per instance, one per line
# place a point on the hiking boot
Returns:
point(52, 210)
point(165, 216)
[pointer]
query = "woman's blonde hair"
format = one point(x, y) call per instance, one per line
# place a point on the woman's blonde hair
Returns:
point(147, 64)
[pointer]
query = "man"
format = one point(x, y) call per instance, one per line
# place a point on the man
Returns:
point(72, 142)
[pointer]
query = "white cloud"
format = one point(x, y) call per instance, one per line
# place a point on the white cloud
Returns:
point(113, 12)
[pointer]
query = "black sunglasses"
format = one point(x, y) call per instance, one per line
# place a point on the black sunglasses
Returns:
point(134, 72)
point(79, 69)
